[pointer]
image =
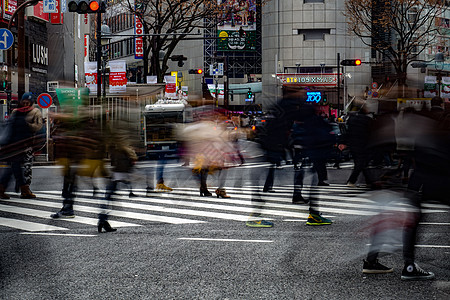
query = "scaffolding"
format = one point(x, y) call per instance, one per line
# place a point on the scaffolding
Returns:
point(239, 63)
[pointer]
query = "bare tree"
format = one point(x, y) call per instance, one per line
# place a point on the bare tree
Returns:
point(401, 30)
point(162, 19)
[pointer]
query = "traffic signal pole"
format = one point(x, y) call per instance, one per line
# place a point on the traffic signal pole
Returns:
point(99, 56)
point(19, 16)
point(338, 83)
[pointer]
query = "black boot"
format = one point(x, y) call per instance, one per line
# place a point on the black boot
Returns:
point(104, 224)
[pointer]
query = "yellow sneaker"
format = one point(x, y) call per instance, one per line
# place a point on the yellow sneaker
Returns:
point(161, 187)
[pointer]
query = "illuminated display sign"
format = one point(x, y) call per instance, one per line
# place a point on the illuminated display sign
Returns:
point(237, 25)
point(328, 79)
point(314, 97)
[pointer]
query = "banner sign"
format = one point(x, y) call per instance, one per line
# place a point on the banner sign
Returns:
point(234, 41)
point(90, 71)
point(430, 87)
point(58, 16)
point(9, 7)
point(117, 76)
point(236, 14)
point(171, 86)
point(445, 92)
point(325, 79)
point(184, 92)
point(139, 40)
point(37, 12)
point(152, 79)
point(70, 99)
point(212, 90)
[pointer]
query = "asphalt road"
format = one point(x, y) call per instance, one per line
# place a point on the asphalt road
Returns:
point(181, 246)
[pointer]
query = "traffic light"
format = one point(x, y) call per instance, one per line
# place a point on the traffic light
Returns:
point(249, 94)
point(196, 71)
point(351, 62)
point(324, 99)
point(179, 58)
point(3, 85)
point(419, 65)
point(87, 6)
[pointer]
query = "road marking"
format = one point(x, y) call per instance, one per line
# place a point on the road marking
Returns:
point(226, 240)
point(431, 223)
point(46, 215)
point(123, 214)
point(174, 201)
point(28, 226)
point(419, 246)
point(432, 246)
point(59, 234)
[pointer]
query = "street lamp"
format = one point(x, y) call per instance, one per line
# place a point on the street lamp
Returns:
point(105, 38)
point(439, 65)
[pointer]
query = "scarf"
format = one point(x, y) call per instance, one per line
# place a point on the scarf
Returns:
point(24, 109)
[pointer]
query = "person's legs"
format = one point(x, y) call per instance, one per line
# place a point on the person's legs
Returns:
point(320, 166)
point(105, 206)
point(160, 186)
point(357, 168)
point(297, 197)
point(268, 185)
point(4, 180)
point(68, 193)
point(221, 177)
point(256, 219)
point(411, 270)
point(203, 176)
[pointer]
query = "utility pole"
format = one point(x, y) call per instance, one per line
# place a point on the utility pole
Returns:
point(338, 83)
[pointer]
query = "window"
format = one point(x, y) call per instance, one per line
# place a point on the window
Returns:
point(313, 1)
point(412, 15)
point(314, 34)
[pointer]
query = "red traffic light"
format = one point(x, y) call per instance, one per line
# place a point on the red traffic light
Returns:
point(351, 62)
point(196, 71)
point(94, 6)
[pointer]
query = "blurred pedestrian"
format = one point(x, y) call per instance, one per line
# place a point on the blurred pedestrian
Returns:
point(273, 139)
point(73, 141)
point(123, 158)
point(317, 142)
point(24, 122)
point(429, 181)
point(357, 138)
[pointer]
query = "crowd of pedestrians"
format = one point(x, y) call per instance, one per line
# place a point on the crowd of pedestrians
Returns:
point(292, 126)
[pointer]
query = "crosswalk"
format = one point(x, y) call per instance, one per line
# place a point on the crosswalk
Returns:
point(185, 206)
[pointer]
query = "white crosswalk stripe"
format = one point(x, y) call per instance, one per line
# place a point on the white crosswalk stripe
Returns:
point(184, 205)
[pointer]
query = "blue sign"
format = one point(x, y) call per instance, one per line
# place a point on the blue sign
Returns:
point(50, 6)
point(314, 97)
point(44, 100)
point(6, 39)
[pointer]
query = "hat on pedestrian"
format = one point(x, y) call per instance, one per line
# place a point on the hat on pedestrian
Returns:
point(27, 96)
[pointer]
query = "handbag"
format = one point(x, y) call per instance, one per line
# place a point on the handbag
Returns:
point(5, 133)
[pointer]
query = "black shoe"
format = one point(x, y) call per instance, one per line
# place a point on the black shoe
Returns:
point(132, 195)
point(63, 214)
point(106, 226)
point(414, 272)
point(205, 193)
point(298, 199)
point(268, 190)
point(375, 268)
point(323, 183)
